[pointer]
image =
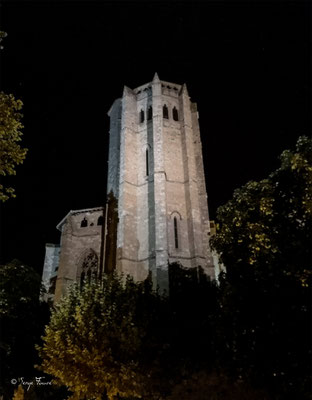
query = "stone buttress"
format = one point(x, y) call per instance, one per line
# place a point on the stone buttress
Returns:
point(156, 173)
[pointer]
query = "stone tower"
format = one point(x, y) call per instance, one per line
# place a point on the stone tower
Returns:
point(155, 171)
point(156, 211)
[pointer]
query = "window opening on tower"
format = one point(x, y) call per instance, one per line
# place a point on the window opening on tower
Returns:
point(146, 159)
point(175, 224)
point(150, 113)
point(175, 114)
point(165, 112)
point(141, 116)
point(84, 223)
point(89, 268)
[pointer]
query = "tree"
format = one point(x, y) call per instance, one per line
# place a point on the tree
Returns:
point(19, 393)
point(124, 340)
point(269, 222)
point(264, 239)
point(11, 153)
point(22, 320)
point(94, 343)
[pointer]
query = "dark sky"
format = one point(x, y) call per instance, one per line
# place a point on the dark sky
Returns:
point(246, 64)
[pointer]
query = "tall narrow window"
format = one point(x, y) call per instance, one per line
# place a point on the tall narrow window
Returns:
point(165, 112)
point(141, 116)
point(84, 223)
point(175, 114)
point(175, 224)
point(150, 113)
point(100, 220)
point(89, 267)
point(146, 159)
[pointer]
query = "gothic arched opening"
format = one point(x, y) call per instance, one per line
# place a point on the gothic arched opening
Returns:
point(88, 268)
point(175, 114)
point(147, 162)
point(176, 238)
point(165, 112)
point(150, 113)
point(84, 223)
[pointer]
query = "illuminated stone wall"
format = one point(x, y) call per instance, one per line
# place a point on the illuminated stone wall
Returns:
point(78, 241)
point(50, 269)
point(156, 185)
point(161, 182)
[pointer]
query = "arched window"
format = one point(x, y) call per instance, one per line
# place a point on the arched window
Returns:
point(88, 268)
point(147, 162)
point(100, 220)
point(141, 116)
point(175, 226)
point(165, 112)
point(84, 223)
point(150, 113)
point(175, 114)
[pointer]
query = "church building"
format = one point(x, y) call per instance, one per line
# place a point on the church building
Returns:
point(156, 211)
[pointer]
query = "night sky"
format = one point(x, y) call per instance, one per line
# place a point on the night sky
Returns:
point(246, 64)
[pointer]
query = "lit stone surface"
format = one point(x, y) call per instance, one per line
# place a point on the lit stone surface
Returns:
point(174, 187)
point(77, 243)
point(155, 171)
point(50, 267)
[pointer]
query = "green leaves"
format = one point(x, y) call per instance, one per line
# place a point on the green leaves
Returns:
point(264, 237)
point(22, 319)
point(11, 153)
point(264, 220)
point(94, 337)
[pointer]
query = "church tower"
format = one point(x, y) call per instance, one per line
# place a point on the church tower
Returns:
point(156, 174)
point(156, 211)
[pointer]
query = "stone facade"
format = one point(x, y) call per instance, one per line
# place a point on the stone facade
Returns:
point(156, 176)
point(50, 269)
point(81, 244)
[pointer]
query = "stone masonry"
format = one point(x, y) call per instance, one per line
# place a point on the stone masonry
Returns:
point(156, 172)
point(156, 178)
point(81, 233)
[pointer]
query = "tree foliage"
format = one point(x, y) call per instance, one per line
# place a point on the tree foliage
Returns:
point(19, 393)
point(267, 224)
point(22, 319)
point(122, 339)
point(119, 339)
point(11, 153)
point(94, 341)
point(264, 238)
